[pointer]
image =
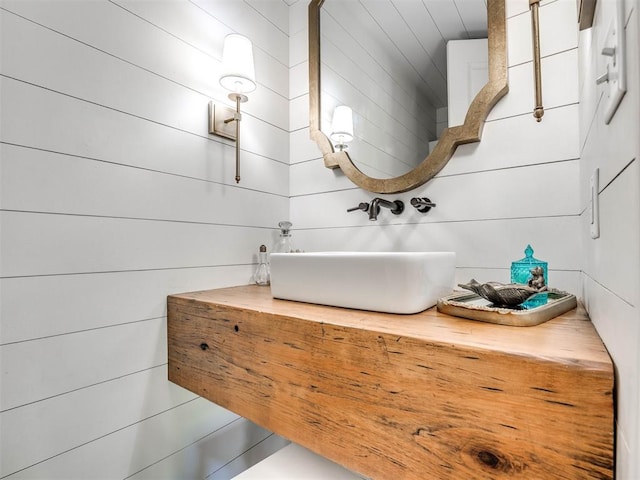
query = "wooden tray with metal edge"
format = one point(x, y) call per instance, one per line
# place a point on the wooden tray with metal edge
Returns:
point(474, 307)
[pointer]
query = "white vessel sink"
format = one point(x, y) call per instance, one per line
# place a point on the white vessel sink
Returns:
point(393, 282)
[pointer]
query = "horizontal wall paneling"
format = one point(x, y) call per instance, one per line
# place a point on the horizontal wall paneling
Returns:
point(75, 303)
point(33, 433)
point(113, 195)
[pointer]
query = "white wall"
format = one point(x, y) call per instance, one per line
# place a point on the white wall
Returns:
point(113, 195)
point(519, 185)
point(611, 276)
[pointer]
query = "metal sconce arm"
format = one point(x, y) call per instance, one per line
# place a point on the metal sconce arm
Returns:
point(534, 6)
point(220, 118)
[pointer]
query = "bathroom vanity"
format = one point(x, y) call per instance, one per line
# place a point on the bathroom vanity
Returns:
point(415, 396)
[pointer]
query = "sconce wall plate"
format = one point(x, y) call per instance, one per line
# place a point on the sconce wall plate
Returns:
point(218, 113)
point(586, 11)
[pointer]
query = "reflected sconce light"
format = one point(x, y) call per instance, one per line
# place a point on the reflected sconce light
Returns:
point(239, 77)
point(342, 127)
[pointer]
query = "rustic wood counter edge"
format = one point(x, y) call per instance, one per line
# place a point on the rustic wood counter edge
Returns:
point(424, 396)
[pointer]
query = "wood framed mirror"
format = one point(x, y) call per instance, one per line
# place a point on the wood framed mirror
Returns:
point(426, 167)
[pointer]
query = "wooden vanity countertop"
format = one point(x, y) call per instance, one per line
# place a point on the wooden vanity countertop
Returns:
point(568, 338)
point(390, 396)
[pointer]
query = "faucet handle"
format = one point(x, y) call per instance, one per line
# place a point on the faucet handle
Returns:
point(422, 204)
point(364, 206)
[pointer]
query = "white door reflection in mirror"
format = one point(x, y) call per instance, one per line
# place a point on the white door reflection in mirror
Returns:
point(467, 73)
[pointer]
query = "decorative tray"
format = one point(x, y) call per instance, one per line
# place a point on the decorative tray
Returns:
point(474, 307)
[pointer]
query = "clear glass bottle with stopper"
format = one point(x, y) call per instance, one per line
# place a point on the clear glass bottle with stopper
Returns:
point(262, 276)
point(284, 245)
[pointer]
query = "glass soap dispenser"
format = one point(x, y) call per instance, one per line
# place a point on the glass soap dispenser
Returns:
point(284, 245)
point(262, 276)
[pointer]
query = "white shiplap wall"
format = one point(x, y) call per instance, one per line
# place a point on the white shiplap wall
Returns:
point(518, 186)
point(113, 195)
point(611, 266)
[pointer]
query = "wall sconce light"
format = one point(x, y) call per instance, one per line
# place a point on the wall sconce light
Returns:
point(342, 127)
point(238, 76)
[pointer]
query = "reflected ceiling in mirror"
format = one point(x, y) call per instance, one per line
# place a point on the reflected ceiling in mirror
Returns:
point(386, 59)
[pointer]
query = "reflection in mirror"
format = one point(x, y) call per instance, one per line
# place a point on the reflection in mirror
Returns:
point(341, 126)
point(387, 61)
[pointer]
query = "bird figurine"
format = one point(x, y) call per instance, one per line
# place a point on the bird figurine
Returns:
point(537, 278)
point(502, 295)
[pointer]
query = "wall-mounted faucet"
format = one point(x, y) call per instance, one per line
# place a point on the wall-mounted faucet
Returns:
point(364, 206)
point(373, 208)
point(396, 207)
point(422, 204)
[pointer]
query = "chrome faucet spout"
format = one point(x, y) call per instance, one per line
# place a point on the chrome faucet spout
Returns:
point(396, 207)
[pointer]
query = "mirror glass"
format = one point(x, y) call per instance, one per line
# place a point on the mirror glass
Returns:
point(387, 61)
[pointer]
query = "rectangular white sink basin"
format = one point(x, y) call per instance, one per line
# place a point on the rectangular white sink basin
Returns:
point(393, 282)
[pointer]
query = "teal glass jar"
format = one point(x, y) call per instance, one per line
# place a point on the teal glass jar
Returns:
point(522, 271)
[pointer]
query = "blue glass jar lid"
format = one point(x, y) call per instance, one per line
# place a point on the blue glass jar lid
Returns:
point(529, 259)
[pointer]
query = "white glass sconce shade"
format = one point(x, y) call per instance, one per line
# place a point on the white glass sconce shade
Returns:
point(342, 125)
point(238, 71)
